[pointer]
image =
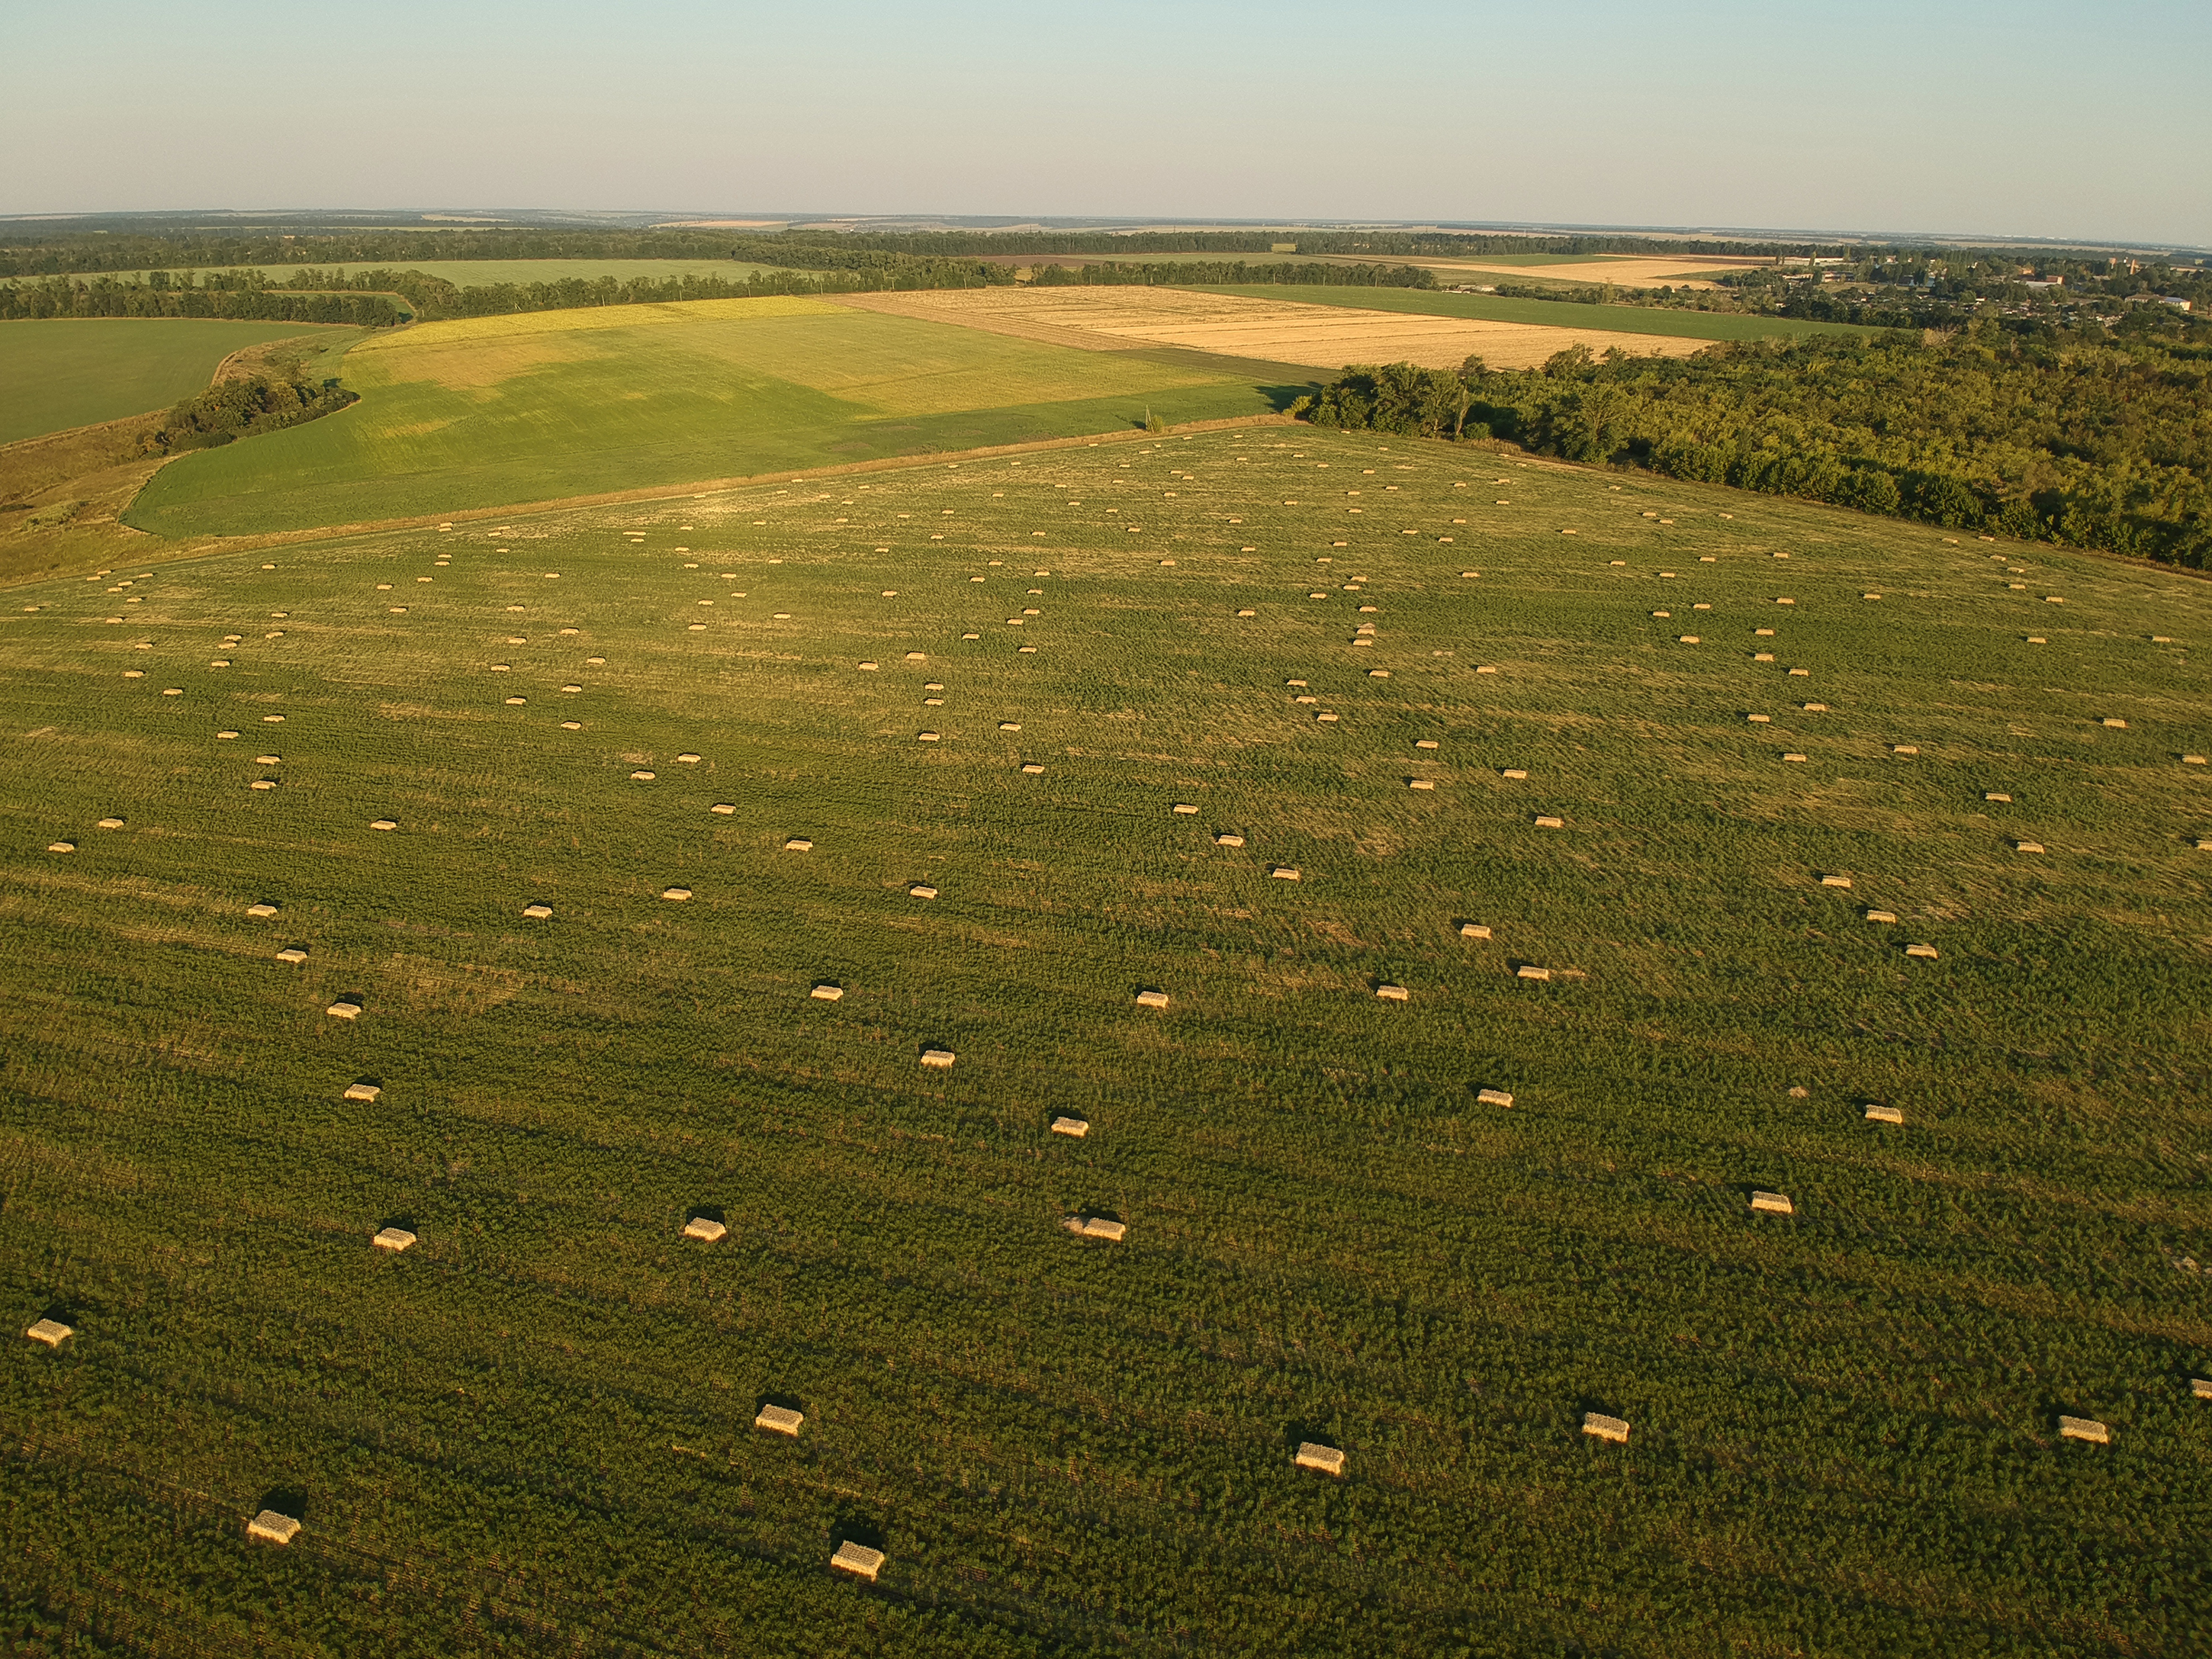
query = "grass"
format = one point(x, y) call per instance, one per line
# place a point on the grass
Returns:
point(486, 273)
point(477, 413)
point(1556, 314)
point(534, 1427)
point(63, 373)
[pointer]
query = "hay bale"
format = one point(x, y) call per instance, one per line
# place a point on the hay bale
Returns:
point(1098, 1226)
point(725, 808)
point(1897, 748)
point(1326, 719)
point(263, 783)
point(676, 894)
point(927, 737)
point(859, 1561)
point(780, 1420)
point(1606, 1428)
point(1031, 769)
point(921, 891)
point(2006, 799)
point(1392, 993)
point(1182, 810)
point(383, 824)
point(1494, 1098)
point(2028, 847)
point(1424, 743)
point(706, 1231)
point(1772, 1203)
point(869, 666)
point(1312, 1455)
point(293, 955)
point(262, 909)
point(687, 760)
point(270, 1527)
point(1473, 930)
point(362, 1091)
point(641, 777)
point(916, 656)
point(61, 846)
point(1799, 758)
point(1420, 783)
point(1518, 773)
point(1760, 719)
point(938, 1060)
point(798, 844)
point(1882, 915)
point(1284, 872)
point(537, 912)
point(1545, 821)
point(1884, 1115)
point(1822, 708)
point(2084, 1428)
point(394, 1239)
point(1229, 838)
point(343, 1011)
point(2116, 726)
point(51, 1332)
point(1835, 881)
point(828, 994)
point(1688, 639)
point(1247, 613)
point(1527, 970)
point(1926, 950)
point(2200, 1386)
point(1074, 1128)
point(1152, 998)
point(1762, 656)
point(2193, 760)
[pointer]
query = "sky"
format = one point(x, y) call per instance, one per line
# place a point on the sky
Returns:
point(2028, 119)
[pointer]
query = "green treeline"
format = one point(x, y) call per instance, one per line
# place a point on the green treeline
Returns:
point(59, 297)
point(2098, 443)
point(239, 408)
point(1186, 275)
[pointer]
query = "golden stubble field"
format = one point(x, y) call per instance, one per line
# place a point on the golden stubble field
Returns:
point(1274, 330)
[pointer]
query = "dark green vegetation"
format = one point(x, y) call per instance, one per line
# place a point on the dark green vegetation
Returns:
point(55, 375)
point(2090, 443)
point(1549, 313)
point(59, 298)
point(243, 408)
point(478, 413)
point(530, 1432)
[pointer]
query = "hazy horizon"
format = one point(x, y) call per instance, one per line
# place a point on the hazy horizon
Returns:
point(2035, 122)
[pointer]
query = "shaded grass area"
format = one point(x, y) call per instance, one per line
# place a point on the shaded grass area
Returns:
point(477, 413)
point(1555, 313)
point(57, 374)
point(1843, 1421)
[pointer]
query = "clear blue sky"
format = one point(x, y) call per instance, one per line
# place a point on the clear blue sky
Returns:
point(2023, 118)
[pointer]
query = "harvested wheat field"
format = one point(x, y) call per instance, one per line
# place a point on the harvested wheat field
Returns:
point(1272, 331)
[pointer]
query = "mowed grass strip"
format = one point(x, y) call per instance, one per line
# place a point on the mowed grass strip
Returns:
point(59, 373)
point(1066, 1445)
point(484, 411)
point(1553, 313)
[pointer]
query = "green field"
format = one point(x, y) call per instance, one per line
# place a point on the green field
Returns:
point(477, 413)
point(532, 1431)
point(1554, 313)
point(59, 374)
point(486, 273)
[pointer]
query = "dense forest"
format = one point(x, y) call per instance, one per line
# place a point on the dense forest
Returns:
point(2085, 439)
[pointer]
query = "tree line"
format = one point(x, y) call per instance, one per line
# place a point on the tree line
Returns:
point(1236, 274)
point(2089, 443)
point(58, 297)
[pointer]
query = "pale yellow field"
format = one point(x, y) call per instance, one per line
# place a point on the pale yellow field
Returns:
point(1273, 331)
point(1624, 273)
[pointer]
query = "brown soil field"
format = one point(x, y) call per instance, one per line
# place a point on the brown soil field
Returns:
point(1273, 331)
